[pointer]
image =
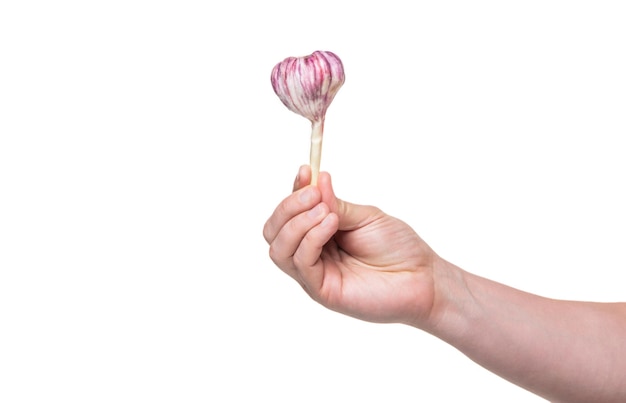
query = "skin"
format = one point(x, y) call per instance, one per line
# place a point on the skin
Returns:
point(359, 261)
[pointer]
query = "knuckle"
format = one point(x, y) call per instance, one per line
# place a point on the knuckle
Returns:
point(267, 231)
point(274, 254)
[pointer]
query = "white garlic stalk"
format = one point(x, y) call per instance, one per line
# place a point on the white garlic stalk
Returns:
point(307, 86)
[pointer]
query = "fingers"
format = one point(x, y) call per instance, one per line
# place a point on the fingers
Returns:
point(308, 267)
point(295, 204)
point(298, 229)
point(299, 242)
point(303, 178)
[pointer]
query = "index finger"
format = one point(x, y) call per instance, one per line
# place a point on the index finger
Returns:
point(303, 178)
point(299, 201)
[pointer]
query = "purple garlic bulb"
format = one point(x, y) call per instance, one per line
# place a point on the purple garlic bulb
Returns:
point(307, 86)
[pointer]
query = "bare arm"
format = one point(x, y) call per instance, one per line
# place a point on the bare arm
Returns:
point(565, 351)
point(364, 263)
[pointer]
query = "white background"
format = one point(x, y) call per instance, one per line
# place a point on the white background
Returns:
point(142, 149)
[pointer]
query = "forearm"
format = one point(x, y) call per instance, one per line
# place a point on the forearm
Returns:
point(565, 351)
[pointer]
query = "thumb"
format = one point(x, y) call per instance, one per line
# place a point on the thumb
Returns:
point(351, 216)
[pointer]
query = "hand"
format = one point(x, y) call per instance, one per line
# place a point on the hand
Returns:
point(351, 258)
point(362, 262)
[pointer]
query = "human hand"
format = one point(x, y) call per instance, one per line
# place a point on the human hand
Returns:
point(351, 258)
point(359, 261)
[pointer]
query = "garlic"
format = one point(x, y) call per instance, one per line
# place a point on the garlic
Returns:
point(307, 86)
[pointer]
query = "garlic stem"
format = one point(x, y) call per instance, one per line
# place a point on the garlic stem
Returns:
point(317, 131)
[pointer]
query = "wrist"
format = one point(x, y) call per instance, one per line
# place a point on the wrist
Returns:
point(452, 302)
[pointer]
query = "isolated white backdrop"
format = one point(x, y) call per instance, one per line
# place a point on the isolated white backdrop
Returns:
point(142, 149)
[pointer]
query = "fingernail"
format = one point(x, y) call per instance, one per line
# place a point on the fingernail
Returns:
point(316, 211)
point(326, 221)
point(297, 180)
point(307, 195)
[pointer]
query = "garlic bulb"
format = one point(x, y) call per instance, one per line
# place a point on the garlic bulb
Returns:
point(307, 85)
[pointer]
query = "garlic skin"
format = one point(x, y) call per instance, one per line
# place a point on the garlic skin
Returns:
point(307, 85)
